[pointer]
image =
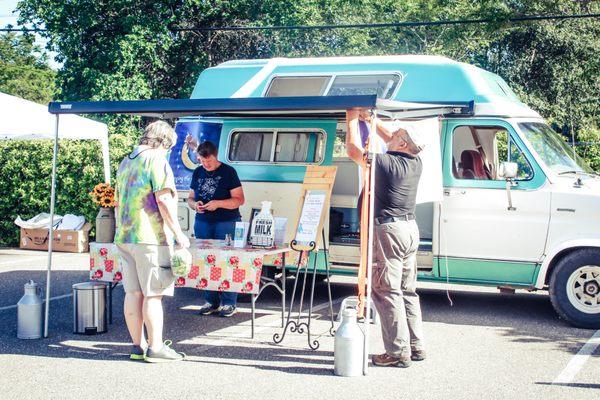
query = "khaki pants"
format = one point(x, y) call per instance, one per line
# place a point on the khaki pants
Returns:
point(394, 287)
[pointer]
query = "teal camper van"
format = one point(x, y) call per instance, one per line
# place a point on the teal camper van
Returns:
point(518, 209)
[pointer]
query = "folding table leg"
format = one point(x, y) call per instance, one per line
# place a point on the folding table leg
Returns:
point(110, 302)
point(283, 290)
point(253, 301)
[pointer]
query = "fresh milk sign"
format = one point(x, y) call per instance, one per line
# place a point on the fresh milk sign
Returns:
point(263, 227)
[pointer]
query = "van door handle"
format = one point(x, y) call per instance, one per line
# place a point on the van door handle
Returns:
point(449, 192)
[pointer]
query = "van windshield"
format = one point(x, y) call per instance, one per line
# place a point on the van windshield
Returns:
point(553, 150)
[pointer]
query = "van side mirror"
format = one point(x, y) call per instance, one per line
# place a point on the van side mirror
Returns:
point(508, 170)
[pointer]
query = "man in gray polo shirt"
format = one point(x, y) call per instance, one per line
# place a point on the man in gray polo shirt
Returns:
point(394, 278)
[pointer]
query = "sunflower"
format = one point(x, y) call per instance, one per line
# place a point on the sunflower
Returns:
point(100, 188)
point(103, 195)
point(105, 202)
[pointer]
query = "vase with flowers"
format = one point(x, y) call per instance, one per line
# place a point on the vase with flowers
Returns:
point(104, 195)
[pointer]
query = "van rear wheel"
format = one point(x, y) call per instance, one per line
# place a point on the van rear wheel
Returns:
point(575, 288)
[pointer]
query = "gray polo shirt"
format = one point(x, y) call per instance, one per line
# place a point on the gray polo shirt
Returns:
point(396, 180)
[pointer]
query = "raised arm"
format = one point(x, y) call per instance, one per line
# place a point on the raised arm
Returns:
point(385, 129)
point(191, 142)
point(354, 147)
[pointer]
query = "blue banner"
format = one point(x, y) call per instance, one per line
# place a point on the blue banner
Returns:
point(183, 159)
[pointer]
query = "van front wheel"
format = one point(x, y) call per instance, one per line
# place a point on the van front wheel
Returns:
point(575, 288)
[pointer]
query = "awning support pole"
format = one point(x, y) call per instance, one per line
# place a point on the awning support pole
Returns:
point(105, 158)
point(367, 318)
point(50, 227)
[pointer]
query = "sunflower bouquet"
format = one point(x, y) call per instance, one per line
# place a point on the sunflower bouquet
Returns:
point(103, 195)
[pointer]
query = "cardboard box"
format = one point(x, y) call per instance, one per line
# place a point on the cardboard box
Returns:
point(63, 240)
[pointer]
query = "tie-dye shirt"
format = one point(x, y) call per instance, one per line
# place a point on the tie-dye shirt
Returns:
point(141, 174)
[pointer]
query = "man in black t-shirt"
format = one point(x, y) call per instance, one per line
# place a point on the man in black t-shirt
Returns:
point(394, 278)
point(215, 194)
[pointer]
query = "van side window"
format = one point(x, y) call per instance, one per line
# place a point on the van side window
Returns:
point(282, 86)
point(250, 146)
point(283, 146)
point(477, 152)
point(509, 151)
point(384, 85)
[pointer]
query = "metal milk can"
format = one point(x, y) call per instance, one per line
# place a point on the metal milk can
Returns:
point(105, 225)
point(349, 342)
point(29, 313)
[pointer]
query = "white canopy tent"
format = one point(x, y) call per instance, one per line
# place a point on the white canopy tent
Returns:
point(25, 120)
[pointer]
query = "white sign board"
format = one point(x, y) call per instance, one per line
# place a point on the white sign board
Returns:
point(312, 210)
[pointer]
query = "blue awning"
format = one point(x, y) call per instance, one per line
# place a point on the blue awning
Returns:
point(259, 107)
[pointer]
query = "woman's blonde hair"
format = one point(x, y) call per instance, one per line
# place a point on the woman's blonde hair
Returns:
point(157, 134)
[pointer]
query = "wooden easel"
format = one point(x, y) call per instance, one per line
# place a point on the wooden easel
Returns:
point(317, 178)
point(320, 179)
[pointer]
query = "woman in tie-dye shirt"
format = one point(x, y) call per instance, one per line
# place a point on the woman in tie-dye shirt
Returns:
point(147, 229)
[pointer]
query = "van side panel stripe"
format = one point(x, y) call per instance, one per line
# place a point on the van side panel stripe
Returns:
point(499, 272)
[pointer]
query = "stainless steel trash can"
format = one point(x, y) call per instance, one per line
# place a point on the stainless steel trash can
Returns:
point(89, 308)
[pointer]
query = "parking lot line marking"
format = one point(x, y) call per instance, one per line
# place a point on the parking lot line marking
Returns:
point(22, 260)
point(51, 298)
point(578, 361)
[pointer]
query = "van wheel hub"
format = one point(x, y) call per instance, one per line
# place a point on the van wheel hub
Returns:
point(591, 288)
point(583, 289)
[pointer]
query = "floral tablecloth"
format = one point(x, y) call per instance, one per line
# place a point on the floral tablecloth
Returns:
point(215, 266)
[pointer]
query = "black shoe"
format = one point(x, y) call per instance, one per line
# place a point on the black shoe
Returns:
point(208, 309)
point(137, 353)
point(417, 355)
point(227, 311)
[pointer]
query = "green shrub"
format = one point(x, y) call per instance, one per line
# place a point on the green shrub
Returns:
point(589, 137)
point(25, 178)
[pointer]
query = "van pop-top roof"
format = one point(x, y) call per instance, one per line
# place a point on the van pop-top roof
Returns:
point(408, 78)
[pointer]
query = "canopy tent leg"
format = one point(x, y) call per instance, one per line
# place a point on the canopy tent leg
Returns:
point(50, 227)
point(105, 158)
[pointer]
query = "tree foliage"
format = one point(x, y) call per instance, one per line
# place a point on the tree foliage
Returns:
point(24, 71)
point(127, 49)
point(130, 49)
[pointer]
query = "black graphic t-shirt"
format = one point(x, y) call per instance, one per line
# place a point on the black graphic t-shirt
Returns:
point(215, 185)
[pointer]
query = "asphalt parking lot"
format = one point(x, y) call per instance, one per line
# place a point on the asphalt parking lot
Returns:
point(486, 345)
